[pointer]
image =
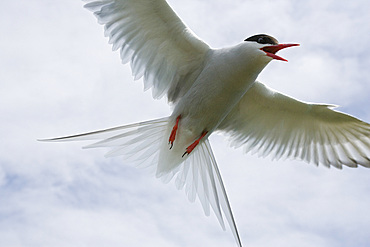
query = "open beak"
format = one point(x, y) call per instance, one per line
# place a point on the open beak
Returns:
point(272, 49)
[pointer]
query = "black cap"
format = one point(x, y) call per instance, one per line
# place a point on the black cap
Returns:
point(263, 39)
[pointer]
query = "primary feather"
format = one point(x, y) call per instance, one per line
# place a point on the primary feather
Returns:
point(268, 122)
point(157, 43)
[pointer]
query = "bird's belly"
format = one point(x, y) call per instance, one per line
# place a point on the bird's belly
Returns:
point(204, 110)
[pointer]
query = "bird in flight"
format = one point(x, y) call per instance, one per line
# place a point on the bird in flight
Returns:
point(213, 90)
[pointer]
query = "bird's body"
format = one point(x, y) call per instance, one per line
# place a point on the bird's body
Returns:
point(214, 89)
point(221, 83)
point(219, 87)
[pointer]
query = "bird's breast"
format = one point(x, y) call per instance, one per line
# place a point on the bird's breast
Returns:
point(218, 88)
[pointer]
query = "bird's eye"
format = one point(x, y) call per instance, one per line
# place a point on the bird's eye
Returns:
point(260, 40)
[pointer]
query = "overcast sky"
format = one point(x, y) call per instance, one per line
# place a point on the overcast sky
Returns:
point(58, 76)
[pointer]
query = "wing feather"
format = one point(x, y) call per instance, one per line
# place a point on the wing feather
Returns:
point(152, 37)
point(269, 122)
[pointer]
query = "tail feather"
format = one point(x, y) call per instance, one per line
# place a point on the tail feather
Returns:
point(145, 144)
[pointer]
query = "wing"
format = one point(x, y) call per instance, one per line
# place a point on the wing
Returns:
point(157, 43)
point(269, 122)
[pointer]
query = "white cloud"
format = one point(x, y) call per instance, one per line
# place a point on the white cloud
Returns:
point(58, 76)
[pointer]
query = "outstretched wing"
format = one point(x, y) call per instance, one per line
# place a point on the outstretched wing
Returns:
point(269, 122)
point(157, 43)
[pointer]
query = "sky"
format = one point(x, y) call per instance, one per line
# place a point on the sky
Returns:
point(58, 76)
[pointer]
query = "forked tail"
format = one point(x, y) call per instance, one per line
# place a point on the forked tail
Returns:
point(145, 144)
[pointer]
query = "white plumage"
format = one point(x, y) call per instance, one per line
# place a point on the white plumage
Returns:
point(213, 89)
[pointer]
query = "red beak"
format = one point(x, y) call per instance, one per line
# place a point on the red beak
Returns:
point(272, 49)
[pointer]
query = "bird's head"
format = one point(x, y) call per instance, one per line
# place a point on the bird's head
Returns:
point(269, 45)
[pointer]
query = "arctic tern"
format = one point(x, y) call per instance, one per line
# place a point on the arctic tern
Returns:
point(213, 90)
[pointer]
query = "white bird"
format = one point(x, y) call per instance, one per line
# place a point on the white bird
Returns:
point(213, 90)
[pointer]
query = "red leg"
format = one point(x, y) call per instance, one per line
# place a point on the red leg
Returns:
point(173, 132)
point(192, 146)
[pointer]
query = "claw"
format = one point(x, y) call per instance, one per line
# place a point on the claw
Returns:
point(194, 144)
point(173, 132)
